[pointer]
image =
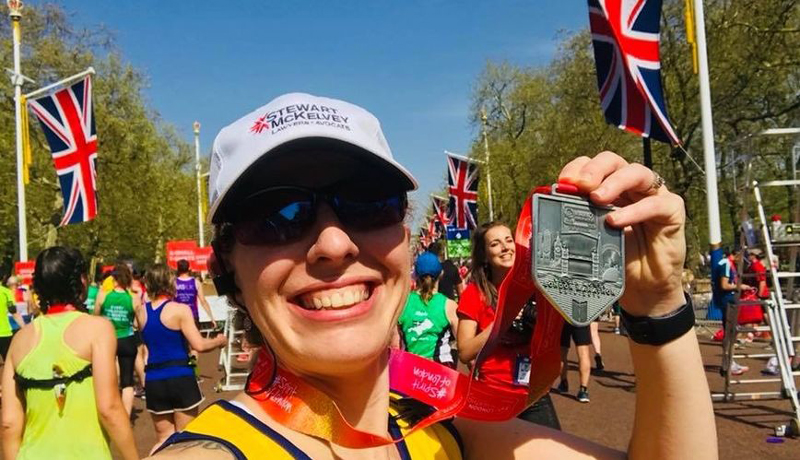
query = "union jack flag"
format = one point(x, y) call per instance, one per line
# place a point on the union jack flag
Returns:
point(462, 181)
point(440, 212)
point(625, 37)
point(67, 119)
point(433, 230)
point(424, 238)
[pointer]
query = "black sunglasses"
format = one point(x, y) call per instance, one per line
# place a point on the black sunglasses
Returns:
point(285, 214)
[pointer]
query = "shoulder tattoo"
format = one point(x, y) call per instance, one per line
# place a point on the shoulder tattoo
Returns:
point(199, 445)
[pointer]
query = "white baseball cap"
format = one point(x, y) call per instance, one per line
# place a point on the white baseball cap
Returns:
point(291, 123)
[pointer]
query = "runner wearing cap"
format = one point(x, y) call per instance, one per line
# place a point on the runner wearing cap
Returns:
point(309, 207)
point(450, 283)
point(428, 323)
point(61, 398)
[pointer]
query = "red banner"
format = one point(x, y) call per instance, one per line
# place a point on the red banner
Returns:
point(24, 271)
point(201, 256)
point(177, 250)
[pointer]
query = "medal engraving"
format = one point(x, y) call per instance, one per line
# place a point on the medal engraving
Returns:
point(578, 261)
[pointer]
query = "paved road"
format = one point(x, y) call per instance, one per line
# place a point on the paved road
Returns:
point(743, 427)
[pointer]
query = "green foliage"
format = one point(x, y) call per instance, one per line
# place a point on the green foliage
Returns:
point(538, 119)
point(146, 185)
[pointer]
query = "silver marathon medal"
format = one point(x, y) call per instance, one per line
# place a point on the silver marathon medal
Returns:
point(578, 260)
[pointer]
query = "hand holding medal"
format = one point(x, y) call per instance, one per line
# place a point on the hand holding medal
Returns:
point(653, 221)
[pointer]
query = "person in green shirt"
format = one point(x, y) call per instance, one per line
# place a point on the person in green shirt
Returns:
point(429, 320)
point(93, 289)
point(119, 306)
point(7, 305)
point(76, 416)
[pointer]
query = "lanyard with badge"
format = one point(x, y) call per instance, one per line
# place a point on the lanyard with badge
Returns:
point(567, 258)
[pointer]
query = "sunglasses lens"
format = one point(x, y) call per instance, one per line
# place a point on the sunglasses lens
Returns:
point(286, 214)
point(374, 214)
point(283, 216)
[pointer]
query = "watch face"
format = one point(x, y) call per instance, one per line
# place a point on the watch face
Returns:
point(578, 261)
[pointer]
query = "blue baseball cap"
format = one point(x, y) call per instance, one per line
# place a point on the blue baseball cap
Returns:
point(428, 264)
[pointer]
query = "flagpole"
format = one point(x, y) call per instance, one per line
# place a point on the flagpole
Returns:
point(463, 158)
point(15, 13)
point(712, 198)
point(647, 153)
point(201, 237)
point(488, 167)
point(59, 83)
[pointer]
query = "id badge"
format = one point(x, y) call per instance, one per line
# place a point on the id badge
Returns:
point(578, 261)
point(522, 370)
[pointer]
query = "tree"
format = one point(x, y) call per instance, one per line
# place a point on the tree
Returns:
point(146, 186)
point(540, 118)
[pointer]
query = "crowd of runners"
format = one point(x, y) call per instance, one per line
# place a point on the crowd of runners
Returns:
point(91, 348)
point(317, 263)
point(155, 319)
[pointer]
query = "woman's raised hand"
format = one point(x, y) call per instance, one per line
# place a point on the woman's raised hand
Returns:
point(653, 219)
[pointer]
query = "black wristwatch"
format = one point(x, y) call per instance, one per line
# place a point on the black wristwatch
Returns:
point(658, 330)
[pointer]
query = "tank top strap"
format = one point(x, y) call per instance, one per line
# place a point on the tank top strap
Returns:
point(52, 328)
point(157, 310)
point(438, 301)
point(51, 348)
point(247, 437)
point(239, 431)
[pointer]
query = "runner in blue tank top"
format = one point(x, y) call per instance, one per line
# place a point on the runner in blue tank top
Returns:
point(171, 390)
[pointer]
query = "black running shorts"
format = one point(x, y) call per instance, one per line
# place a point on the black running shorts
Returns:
point(5, 342)
point(579, 335)
point(172, 395)
point(126, 355)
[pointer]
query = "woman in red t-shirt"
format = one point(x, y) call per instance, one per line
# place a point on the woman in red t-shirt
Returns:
point(493, 252)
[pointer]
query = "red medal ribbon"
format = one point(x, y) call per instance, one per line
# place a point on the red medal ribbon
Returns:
point(298, 405)
point(60, 308)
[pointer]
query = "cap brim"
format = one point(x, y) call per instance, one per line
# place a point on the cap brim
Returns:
point(312, 162)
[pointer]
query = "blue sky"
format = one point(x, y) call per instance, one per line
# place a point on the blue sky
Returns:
point(412, 63)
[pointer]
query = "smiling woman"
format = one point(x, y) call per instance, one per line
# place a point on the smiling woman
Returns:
point(311, 246)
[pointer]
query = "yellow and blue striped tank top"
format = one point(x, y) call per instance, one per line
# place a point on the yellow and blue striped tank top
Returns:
point(246, 437)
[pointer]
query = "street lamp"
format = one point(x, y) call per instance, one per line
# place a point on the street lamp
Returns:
point(14, 9)
point(15, 13)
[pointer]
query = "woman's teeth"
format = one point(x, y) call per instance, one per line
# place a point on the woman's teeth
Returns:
point(335, 298)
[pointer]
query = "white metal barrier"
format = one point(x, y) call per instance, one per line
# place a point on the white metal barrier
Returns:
point(235, 376)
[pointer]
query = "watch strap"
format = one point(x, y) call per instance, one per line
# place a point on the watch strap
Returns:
point(658, 330)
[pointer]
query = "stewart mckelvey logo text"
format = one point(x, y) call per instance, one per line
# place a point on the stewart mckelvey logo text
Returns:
point(299, 114)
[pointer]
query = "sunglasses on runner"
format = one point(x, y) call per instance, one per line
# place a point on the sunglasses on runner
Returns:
point(285, 214)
